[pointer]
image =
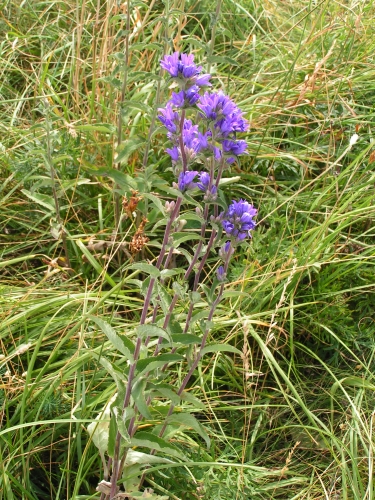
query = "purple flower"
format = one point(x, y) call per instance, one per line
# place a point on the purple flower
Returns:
point(174, 153)
point(182, 66)
point(185, 98)
point(169, 118)
point(220, 274)
point(204, 183)
point(234, 147)
point(225, 250)
point(192, 95)
point(185, 180)
point(238, 221)
point(202, 80)
point(223, 111)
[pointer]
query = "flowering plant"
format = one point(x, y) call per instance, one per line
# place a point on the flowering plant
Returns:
point(202, 127)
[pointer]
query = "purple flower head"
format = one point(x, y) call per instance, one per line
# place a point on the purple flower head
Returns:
point(182, 66)
point(223, 111)
point(220, 274)
point(169, 118)
point(185, 180)
point(238, 221)
point(204, 183)
point(174, 153)
point(216, 105)
point(185, 98)
point(234, 147)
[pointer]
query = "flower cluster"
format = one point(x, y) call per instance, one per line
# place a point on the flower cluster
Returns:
point(212, 140)
point(237, 220)
point(218, 118)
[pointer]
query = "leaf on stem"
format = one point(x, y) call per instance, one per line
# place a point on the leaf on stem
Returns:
point(149, 440)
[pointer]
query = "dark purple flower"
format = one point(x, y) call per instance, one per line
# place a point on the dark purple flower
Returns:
point(216, 105)
point(223, 111)
point(238, 221)
point(170, 64)
point(204, 183)
point(192, 95)
point(225, 250)
point(234, 147)
point(220, 274)
point(185, 180)
point(169, 118)
point(185, 98)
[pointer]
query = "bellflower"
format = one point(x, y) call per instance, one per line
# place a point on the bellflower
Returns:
point(226, 250)
point(169, 118)
point(238, 221)
point(223, 111)
point(203, 185)
point(185, 180)
point(220, 274)
point(234, 147)
point(182, 66)
point(174, 153)
point(185, 98)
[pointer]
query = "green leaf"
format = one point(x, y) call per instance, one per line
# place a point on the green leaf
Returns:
point(187, 396)
point(95, 264)
point(188, 420)
point(146, 268)
point(139, 396)
point(112, 436)
point(99, 430)
point(167, 273)
point(146, 46)
point(149, 364)
point(149, 440)
point(152, 331)
point(157, 202)
point(41, 199)
point(185, 338)
point(96, 127)
point(125, 181)
point(220, 348)
point(120, 342)
point(166, 391)
point(222, 60)
point(121, 423)
point(112, 369)
point(126, 149)
point(181, 237)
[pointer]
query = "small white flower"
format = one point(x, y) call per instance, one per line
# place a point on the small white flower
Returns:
point(354, 138)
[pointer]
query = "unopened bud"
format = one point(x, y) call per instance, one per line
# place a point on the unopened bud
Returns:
point(169, 206)
point(181, 224)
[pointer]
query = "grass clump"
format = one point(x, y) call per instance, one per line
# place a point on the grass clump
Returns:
point(289, 418)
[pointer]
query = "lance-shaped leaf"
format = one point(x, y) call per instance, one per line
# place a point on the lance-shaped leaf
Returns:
point(122, 343)
point(146, 268)
point(149, 364)
point(220, 348)
point(149, 440)
point(152, 331)
point(188, 420)
point(139, 395)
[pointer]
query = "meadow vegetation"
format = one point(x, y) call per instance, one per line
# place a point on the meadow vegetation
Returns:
point(290, 414)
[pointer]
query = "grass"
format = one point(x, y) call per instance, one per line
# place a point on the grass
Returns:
point(292, 418)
